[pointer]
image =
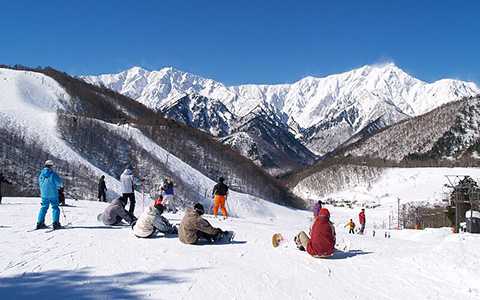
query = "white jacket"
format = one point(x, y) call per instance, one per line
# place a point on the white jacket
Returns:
point(145, 224)
point(127, 181)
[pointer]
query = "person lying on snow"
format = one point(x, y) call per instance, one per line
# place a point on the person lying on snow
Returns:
point(116, 212)
point(194, 228)
point(152, 221)
point(322, 240)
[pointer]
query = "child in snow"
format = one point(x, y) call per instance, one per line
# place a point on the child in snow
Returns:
point(316, 208)
point(194, 228)
point(322, 240)
point(152, 221)
point(351, 226)
point(220, 192)
point(168, 193)
point(49, 183)
point(116, 212)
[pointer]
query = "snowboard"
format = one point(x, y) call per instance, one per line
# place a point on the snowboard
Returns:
point(227, 237)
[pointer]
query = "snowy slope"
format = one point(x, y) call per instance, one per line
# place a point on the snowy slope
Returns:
point(30, 100)
point(384, 187)
point(347, 101)
point(89, 261)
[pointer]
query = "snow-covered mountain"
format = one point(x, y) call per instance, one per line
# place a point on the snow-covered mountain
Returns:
point(263, 138)
point(328, 110)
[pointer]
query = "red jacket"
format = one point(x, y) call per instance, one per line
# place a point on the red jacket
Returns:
point(322, 242)
point(361, 217)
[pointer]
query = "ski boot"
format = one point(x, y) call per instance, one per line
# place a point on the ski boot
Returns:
point(56, 225)
point(41, 225)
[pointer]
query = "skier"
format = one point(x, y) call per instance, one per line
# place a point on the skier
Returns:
point(220, 192)
point(116, 212)
point(322, 241)
point(49, 183)
point(102, 189)
point(2, 180)
point(168, 194)
point(152, 221)
point(351, 226)
point(194, 228)
point(361, 218)
point(128, 191)
point(316, 208)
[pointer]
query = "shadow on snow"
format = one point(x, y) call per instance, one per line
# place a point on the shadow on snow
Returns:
point(82, 285)
point(342, 254)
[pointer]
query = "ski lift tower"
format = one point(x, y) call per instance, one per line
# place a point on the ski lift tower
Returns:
point(465, 191)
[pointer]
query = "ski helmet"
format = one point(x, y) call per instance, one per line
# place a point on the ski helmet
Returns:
point(49, 163)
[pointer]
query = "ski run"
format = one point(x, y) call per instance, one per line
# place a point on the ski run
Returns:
point(88, 260)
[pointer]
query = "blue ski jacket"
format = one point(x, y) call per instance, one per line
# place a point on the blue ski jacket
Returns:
point(49, 183)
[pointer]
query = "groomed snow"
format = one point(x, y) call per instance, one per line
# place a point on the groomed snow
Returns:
point(88, 261)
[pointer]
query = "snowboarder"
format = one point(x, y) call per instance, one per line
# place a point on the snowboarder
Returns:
point(351, 226)
point(49, 183)
point(322, 241)
point(2, 180)
point(220, 192)
point(361, 219)
point(128, 191)
point(194, 228)
point(152, 221)
point(316, 208)
point(61, 196)
point(116, 212)
point(102, 189)
point(168, 194)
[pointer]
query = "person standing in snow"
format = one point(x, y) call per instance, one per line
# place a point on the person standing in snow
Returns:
point(49, 183)
point(168, 194)
point(61, 196)
point(128, 192)
point(361, 219)
point(351, 226)
point(116, 212)
point(102, 189)
point(152, 221)
point(2, 180)
point(220, 193)
point(194, 228)
point(322, 240)
point(316, 208)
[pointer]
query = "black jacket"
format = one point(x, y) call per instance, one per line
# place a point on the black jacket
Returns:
point(101, 185)
point(220, 189)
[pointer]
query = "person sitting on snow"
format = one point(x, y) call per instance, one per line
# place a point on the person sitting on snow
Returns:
point(152, 221)
point(351, 226)
point(194, 228)
point(116, 212)
point(322, 240)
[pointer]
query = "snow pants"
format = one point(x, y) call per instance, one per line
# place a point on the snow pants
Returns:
point(131, 199)
point(102, 196)
point(161, 224)
point(351, 230)
point(302, 240)
point(219, 202)
point(362, 228)
point(46, 202)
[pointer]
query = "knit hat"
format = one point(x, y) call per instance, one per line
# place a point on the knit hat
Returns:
point(199, 208)
point(324, 213)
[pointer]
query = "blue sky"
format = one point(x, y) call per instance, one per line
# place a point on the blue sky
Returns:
point(244, 41)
